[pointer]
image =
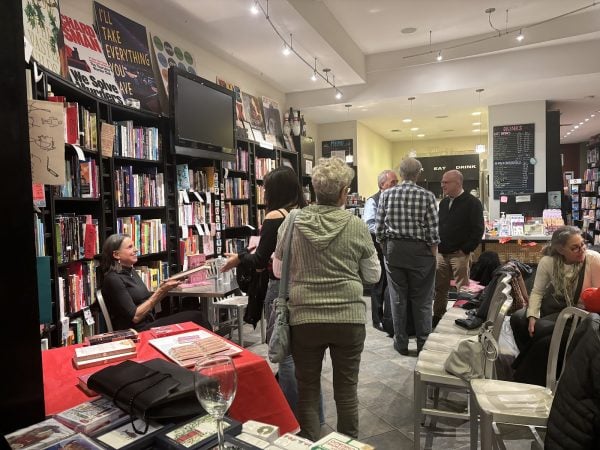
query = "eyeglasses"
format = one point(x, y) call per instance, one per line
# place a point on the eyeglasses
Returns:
point(578, 248)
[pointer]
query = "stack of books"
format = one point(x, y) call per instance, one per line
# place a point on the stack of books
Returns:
point(92, 416)
point(112, 336)
point(96, 355)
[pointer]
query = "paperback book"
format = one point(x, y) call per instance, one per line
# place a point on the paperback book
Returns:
point(91, 416)
point(198, 433)
point(176, 328)
point(106, 349)
point(186, 348)
point(103, 360)
point(39, 436)
point(124, 437)
point(78, 442)
point(112, 336)
point(337, 441)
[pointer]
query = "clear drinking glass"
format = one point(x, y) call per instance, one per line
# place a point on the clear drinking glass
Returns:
point(216, 389)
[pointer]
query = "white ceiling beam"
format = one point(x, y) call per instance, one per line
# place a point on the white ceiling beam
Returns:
point(326, 25)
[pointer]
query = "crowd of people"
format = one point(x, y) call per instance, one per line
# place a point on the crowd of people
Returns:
point(407, 248)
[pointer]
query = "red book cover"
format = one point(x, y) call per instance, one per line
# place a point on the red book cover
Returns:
point(72, 123)
point(89, 240)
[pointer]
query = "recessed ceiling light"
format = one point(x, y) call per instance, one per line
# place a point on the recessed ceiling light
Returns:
point(476, 113)
point(586, 120)
point(580, 123)
point(592, 115)
point(414, 129)
point(408, 30)
point(476, 124)
point(420, 135)
point(374, 10)
point(407, 120)
point(576, 126)
point(441, 117)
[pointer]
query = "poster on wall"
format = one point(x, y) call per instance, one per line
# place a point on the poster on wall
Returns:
point(88, 67)
point(41, 26)
point(253, 111)
point(169, 54)
point(125, 45)
point(46, 141)
point(273, 120)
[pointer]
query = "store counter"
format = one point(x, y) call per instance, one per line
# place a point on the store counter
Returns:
point(527, 249)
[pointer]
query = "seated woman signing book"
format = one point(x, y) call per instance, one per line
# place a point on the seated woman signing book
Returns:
point(130, 304)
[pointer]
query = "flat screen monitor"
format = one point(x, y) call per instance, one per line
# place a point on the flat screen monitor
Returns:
point(202, 116)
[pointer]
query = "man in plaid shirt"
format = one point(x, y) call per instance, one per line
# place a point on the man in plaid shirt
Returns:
point(407, 228)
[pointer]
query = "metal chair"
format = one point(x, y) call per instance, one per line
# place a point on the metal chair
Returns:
point(430, 371)
point(520, 403)
point(237, 306)
point(104, 310)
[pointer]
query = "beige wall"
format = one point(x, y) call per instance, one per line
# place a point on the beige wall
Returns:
point(437, 147)
point(208, 65)
point(333, 131)
point(373, 154)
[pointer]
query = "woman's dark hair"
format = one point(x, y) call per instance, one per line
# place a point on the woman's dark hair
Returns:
point(282, 189)
point(107, 262)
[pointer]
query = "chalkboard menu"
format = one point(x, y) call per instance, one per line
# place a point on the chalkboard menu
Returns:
point(514, 159)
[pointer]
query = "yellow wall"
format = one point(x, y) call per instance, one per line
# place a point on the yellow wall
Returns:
point(373, 154)
point(437, 147)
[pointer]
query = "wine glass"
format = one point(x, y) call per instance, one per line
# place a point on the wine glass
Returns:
point(216, 388)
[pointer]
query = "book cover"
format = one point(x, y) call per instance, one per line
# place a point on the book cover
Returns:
point(82, 384)
point(105, 349)
point(290, 441)
point(103, 360)
point(337, 441)
point(88, 67)
point(273, 120)
point(198, 433)
point(129, 57)
point(253, 111)
point(112, 336)
point(124, 437)
point(39, 435)
point(186, 273)
point(46, 142)
point(91, 416)
point(76, 442)
point(176, 328)
point(186, 348)
point(183, 177)
point(41, 25)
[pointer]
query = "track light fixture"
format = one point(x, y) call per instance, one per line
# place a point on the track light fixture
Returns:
point(498, 33)
point(289, 48)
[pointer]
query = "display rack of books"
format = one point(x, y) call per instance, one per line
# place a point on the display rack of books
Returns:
point(305, 146)
point(198, 209)
point(590, 203)
point(113, 183)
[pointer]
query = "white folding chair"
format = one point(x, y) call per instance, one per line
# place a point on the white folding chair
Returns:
point(430, 371)
point(104, 310)
point(236, 307)
point(520, 403)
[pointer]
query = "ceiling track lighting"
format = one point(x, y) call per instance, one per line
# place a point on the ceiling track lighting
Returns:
point(498, 32)
point(289, 49)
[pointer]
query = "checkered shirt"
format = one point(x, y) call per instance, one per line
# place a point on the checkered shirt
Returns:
point(408, 211)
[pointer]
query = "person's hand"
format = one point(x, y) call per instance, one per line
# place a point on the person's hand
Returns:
point(531, 327)
point(233, 260)
point(169, 284)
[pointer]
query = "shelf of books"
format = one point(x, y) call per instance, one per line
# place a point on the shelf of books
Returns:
point(589, 204)
point(112, 176)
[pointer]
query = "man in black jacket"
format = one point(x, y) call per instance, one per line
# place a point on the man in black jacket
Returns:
point(461, 230)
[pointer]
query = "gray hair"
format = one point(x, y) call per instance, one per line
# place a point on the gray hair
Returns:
point(329, 177)
point(382, 177)
point(410, 168)
point(559, 240)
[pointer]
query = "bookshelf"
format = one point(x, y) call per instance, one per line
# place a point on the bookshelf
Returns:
point(115, 190)
point(589, 211)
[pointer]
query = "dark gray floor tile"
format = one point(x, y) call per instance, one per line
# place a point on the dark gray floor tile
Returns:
point(392, 440)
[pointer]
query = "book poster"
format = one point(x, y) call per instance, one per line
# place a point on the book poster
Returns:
point(253, 111)
point(47, 141)
point(273, 119)
point(125, 45)
point(41, 23)
point(88, 67)
point(169, 54)
point(240, 118)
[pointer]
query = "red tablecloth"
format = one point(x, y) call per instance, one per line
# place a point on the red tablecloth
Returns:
point(258, 396)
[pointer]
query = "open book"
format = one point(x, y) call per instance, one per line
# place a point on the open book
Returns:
point(187, 273)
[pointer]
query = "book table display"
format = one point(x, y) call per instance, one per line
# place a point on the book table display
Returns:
point(258, 395)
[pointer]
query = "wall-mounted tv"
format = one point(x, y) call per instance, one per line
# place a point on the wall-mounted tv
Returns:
point(202, 117)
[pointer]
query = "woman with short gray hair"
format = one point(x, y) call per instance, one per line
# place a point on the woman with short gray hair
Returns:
point(328, 178)
point(332, 254)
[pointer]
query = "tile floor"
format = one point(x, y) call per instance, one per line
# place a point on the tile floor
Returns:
point(385, 393)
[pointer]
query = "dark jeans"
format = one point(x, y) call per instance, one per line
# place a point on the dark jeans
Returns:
point(345, 342)
point(182, 316)
point(410, 268)
point(378, 293)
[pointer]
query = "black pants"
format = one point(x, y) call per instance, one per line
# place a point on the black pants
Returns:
point(531, 364)
point(378, 292)
point(182, 316)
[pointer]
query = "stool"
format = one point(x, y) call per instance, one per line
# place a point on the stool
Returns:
point(238, 304)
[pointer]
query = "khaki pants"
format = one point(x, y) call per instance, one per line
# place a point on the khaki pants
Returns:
point(449, 266)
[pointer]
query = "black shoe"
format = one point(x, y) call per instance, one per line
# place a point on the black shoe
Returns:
point(434, 321)
point(402, 351)
point(378, 326)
